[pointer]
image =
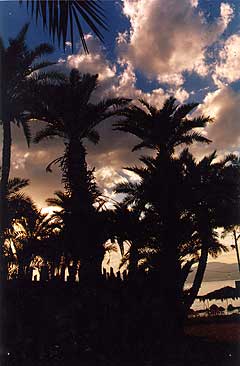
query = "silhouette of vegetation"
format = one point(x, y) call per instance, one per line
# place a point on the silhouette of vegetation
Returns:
point(61, 18)
point(166, 222)
point(158, 192)
point(69, 114)
point(18, 72)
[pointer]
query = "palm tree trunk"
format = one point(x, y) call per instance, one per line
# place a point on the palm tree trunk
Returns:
point(6, 160)
point(236, 247)
point(186, 270)
point(80, 230)
point(198, 278)
point(173, 290)
point(133, 260)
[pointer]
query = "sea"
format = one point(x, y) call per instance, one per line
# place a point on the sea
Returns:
point(212, 286)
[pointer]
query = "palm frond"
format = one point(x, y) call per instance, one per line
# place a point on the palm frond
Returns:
point(127, 188)
point(61, 16)
point(230, 158)
point(21, 35)
point(151, 108)
point(93, 136)
point(142, 145)
point(50, 76)
point(16, 184)
point(46, 133)
point(110, 106)
point(39, 66)
point(148, 161)
point(142, 172)
point(183, 110)
point(169, 106)
point(54, 162)
point(193, 137)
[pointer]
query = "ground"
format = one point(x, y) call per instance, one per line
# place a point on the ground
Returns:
point(48, 325)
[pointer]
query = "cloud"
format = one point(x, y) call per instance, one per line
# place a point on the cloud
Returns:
point(112, 154)
point(181, 94)
point(111, 82)
point(224, 105)
point(228, 67)
point(194, 3)
point(227, 13)
point(108, 177)
point(68, 44)
point(125, 86)
point(163, 50)
point(95, 62)
point(31, 163)
point(168, 38)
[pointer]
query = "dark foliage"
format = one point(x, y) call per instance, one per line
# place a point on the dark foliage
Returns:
point(61, 18)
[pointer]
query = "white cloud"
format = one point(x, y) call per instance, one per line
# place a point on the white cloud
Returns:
point(224, 105)
point(228, 67)
point(108, 177)
point(95, 62)
point(181, 94)
point(227, 13)
point(167, 38)
point(19, 159)
point(126, 86)
point(68, 44)
point(111, 84)
point(171, 79)
point(194, 3)
point(61, 60)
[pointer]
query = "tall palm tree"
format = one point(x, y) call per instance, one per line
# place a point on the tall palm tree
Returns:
point(163, 130)
point(59, 16)
point(69, 114)
point(18, 67)
point(211, 188)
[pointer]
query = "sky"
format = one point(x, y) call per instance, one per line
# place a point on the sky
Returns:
point(154, 48)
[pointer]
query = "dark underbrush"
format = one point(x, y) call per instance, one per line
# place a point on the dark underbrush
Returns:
point(103, 323)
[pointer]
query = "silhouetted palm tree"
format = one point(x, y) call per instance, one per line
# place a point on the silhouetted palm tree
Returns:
point(202, 191)
point(71, 116)
point(18, 67)
point(19, 206)
point(33, 236)
point(211, 188)
point(162, 129)
point(159, 189)
point(59, 16)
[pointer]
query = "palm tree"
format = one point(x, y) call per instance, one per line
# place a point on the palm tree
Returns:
point(150, 198)
point(211, 188)
point(203, 191)
point(163, 130)
point(18, 67)
point(19, 206)
point(69, 114)
point(58, 16)
point(33, 236)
